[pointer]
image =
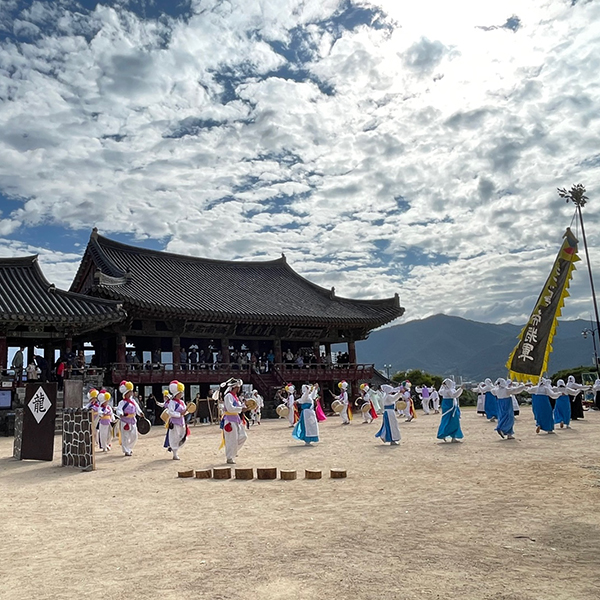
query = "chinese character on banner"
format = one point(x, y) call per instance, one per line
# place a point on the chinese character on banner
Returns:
point(39, 404)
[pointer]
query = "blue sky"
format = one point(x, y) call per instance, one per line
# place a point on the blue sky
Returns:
point(382, 146)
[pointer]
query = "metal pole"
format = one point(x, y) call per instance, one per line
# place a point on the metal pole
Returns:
point(587, 257)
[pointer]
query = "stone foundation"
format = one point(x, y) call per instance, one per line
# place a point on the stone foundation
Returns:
point(78, 448)
point(18, 433)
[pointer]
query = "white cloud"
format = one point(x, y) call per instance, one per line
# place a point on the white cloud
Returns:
point(419, 157)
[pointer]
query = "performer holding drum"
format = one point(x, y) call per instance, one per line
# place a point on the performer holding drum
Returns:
point(234, 433)
point(93, 405)
point(290, 389)
point(177, 430)
point(127, 410)
point(366, 404)
point(346, 412)
point(106, 417)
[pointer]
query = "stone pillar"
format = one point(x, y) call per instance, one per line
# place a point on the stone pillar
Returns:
point(176, 348)
point(352, 352)
point(277, 351)
point(225, 349)
point(3, 351)
point(121, 349)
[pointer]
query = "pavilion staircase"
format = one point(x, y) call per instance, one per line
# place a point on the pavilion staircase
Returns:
point(267, 385)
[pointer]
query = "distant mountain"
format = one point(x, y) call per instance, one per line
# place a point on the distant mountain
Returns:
point(445, 345)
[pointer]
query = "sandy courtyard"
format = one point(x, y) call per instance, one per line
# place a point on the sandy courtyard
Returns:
point(483, 519)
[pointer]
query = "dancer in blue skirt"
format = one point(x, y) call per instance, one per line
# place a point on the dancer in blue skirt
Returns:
point(449, 428)
point(389, 431)
point(541, 406)
point(307, 428)
point(562, 408)
point(490, 402)
point(503, 390)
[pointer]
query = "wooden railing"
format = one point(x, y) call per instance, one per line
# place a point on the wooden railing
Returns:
point(218, 372)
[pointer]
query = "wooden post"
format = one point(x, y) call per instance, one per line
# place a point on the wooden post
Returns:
point(176, 346)
point(225, 349)
point(277, 351)
point(352, 352)
point(3, 351)
point(121, 350)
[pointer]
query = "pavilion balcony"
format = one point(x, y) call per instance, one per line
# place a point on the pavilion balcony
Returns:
point(278, 374)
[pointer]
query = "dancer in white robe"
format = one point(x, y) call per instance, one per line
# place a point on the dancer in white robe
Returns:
point(424, 394)
point(177, 429)
point(390, 431)
point(290, 389)
point(365, 399)
point(127, 410)
point(105, 419)
point(234, 432)
point(307, 428)
point(93, 405)
point(435, 401)
point(346, 413)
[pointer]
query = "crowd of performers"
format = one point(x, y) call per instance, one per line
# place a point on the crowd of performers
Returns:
point(552, 406)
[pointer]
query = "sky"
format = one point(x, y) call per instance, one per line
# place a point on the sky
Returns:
point(384, 147)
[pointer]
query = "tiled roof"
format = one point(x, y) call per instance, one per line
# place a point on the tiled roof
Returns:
point(198, 288)
point(27, 297)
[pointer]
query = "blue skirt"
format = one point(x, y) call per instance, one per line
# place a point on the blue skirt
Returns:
point(542, 412)
point(299, 431)
point(450, 423)
point(506, 416)
point(491, 406)
point(562, 410)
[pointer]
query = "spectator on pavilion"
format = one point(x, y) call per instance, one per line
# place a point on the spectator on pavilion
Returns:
point(32, 371)
point(60, 373)
point(43, 366)
point(17, 364)
point(183, 358)
point(193, 357)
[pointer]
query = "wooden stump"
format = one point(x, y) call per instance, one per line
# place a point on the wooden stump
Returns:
point(269, 473)
point(222, 472)
point(185, 473)
point(287, 474)
point(203, 474)
point(244, 473)
point(312, 474)
point(337, 473)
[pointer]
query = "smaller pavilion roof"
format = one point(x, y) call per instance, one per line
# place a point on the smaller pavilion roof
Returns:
point(27, 297)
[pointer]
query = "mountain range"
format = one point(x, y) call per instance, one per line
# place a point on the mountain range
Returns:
point(445, 345)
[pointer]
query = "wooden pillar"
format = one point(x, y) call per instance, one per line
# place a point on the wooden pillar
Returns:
point(3, 351)
point(277, 351)
point(225, 349)
point(352, 352)
point(176, 347)
point(68, 344)
point(121, 350)
point(328, 350)
point(317, 349)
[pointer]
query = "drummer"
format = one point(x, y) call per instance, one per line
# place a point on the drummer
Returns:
point(234, 433)
point(346, 413)
point(177, 430)
point(127, 410)
point(366, 404)
point(93, 405)
point(106, 416)
point(291, 404)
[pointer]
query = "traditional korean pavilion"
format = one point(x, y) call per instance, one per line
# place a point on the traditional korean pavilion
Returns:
point(33, 312)
point(176, 302)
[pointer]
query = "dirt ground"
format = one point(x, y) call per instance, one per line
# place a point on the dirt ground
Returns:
point(488, 518)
